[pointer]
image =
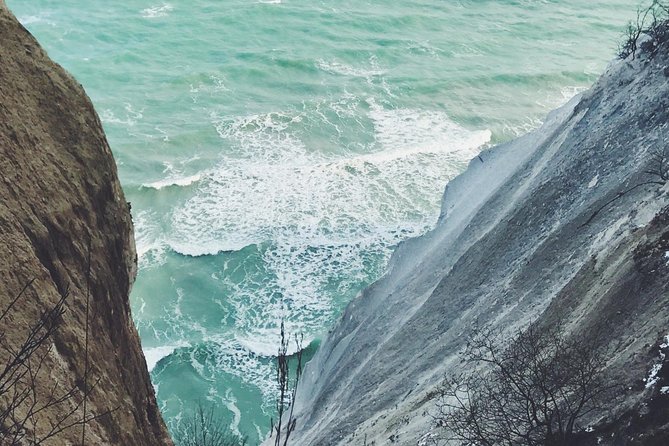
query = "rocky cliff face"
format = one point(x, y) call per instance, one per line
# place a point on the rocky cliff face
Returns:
point(557, 225)
point(58, 189)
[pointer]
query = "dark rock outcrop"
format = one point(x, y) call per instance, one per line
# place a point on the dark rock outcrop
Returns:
point(58, 188)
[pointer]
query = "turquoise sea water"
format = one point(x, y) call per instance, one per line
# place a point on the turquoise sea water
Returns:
point(275, 151)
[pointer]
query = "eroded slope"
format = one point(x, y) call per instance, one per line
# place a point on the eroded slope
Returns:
point(555, 225)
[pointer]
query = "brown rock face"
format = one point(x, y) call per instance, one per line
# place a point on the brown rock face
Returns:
point(58, 189)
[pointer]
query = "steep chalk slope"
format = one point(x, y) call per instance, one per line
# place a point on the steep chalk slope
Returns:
point(58, 188)
point(520, 239)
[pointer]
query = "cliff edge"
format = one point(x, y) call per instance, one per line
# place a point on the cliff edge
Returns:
point(568, 223)
point(58, 190)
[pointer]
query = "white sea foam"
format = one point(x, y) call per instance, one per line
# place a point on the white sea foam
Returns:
point(174, 181)
point(525, 127)
point(228, 356)
point(553, 99)
point(33, 19)
point(262, 138)
point(157, 11)
point(550, 101)
point(214, 86)
point(335, 67)
point(323, 216)
point(266, 343)
point(408, 132)
point(569, 92)
point(149, 243)
point(424, 47)
point(145, 229)
point(276, 185)
point(231, 404)
point(326, 222)
point(131, 118)
point(149, 236)
point(153, 355)
point(224, 355)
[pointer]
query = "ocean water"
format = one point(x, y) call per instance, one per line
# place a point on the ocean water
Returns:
point(276, 151)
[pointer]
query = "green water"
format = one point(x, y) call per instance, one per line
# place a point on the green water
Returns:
point(275, 152)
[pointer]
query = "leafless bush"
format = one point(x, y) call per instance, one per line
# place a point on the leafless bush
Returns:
point(659, 169)
point(658, 172)
point(653, 22)
point(27, 391)
point(204, 428)
point(287, 390)
point(24, 400)
point(534, 392)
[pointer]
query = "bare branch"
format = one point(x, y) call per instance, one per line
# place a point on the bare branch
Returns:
point(534, 391)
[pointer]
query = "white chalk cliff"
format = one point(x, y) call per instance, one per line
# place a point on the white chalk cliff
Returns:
point(555, 225)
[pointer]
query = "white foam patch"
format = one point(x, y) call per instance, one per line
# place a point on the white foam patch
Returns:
point(36, 19)
point(231, 404)
point(372, 73)
point(569, 92)
point(153, 355)
point(145, 229)
point(277, 188)
point(216, 84)
point(267, 345)
point(226, 355)
point(551, 101)
point(130, 119)
point(173, 181)
point(325, 222)
point(149, 236)
point(410, 132)
point(157, 11)
point(151, 248)
point(323, 216)
point(145, 232)
point(335, 67)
